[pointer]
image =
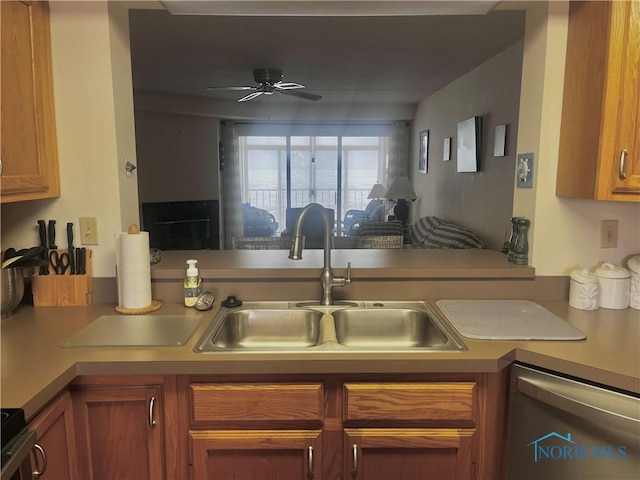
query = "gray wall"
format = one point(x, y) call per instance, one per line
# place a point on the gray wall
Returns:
point(480, 201)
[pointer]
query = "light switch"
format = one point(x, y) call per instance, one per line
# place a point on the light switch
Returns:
point(88, 230)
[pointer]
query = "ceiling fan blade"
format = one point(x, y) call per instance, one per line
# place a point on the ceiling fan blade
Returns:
point(231, 88)
point(287, 85)
point(300, 94)
point(253, 95)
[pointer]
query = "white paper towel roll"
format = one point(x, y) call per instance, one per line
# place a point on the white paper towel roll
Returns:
point(134, 270)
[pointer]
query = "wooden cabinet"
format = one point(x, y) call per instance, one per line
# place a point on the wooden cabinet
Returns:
point(256, 454)
point(256, 430)
point(376, 426)
point(409, 430)
point(54, 427)
point(599, 153)
point(347, 427)
point(119, 427)
point(28, 147)
point(408, 453)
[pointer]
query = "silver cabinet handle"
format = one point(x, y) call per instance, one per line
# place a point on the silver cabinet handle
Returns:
point(310, 462)
point(592, 413)
point(354, 466)
point(623, 157)
point(41, 471)
point(152, 404)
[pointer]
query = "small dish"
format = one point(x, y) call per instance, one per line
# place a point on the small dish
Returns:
point(205, 301)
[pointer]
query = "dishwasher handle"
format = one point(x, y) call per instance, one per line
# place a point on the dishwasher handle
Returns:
point(544, 392)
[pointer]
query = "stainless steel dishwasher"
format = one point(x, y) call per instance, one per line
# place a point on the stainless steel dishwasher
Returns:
point(563, 428)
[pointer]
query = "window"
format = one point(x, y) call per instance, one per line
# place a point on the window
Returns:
point(291, 170)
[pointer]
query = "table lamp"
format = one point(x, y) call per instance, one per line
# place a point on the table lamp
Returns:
point(401, 191)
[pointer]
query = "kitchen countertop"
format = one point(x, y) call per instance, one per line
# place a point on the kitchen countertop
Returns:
point(34, 367)
point(403, 264)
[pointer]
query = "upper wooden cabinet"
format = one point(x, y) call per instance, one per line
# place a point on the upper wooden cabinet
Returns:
point(599, 154)
point(28, 145)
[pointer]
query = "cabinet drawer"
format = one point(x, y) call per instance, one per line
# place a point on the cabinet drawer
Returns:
point(238, 402)
point(410, 401)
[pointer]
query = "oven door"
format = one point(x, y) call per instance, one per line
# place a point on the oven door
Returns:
point(16, 460)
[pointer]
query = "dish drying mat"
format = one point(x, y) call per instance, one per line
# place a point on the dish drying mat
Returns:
point(136, 331)
point(507, 320)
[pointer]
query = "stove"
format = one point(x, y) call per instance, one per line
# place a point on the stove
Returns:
point(17, 442)
point(12, 423)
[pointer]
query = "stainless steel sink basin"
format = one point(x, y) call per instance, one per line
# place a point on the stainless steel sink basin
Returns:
point(268, 328)
point(350, 326)
point(387, 328)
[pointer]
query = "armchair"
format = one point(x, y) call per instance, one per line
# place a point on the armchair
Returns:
point(258, 222)
point(312, 228)
point(354, 216)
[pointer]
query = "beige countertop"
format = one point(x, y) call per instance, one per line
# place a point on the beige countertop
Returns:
point(380, 263)
point(34, 366)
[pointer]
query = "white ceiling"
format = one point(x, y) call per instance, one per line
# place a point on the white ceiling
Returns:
point(371, 59)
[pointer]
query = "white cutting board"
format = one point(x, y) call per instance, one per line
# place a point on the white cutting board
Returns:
point(507, 320)
point(136, 331)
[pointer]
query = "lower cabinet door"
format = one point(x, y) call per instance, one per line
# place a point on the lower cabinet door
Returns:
point(120, 432)
point(406, 453)
point(256, 454)
point(55, 434)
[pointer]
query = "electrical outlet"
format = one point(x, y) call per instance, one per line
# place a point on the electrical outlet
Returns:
point(524, 170)
point(89, 230)
point(608, 233)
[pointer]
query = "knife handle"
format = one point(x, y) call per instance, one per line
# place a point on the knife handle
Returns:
point(52, 235)
point(42, 230)
point(81, 261)
point(70, 234)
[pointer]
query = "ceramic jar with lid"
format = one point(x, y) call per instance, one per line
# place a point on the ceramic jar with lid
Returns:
point(615, 284)
point(634, 292)
point(584, 290)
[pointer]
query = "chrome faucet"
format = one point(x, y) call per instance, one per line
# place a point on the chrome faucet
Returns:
point(327, 279)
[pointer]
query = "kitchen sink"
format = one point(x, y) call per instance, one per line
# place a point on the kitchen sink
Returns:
point(268, 328)
point(352, 326)
point(387, 328)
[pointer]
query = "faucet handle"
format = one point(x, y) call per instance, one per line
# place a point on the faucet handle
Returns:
point(347, 280)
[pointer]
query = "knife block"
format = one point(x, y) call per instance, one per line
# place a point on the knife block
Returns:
point(63, 290)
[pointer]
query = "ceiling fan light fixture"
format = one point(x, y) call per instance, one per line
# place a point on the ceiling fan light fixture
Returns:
point(270, 80)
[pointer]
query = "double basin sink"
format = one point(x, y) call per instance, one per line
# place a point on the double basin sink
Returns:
point(350, 326)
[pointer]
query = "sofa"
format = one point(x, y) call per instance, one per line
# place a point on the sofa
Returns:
point(435, 232)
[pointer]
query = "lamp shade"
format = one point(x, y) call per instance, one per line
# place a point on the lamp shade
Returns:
point(400, 188)
point(377, 191)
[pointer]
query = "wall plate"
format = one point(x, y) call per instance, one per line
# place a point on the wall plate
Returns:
point(524, 170)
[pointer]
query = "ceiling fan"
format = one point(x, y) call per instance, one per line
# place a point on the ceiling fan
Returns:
point(270, 81)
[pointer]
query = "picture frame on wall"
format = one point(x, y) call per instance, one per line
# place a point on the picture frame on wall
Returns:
point(469, 149)
point(446, 149)
point(423, 155)
point(500, 141)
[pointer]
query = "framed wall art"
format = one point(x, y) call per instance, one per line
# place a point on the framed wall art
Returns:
point(500, 141)
point(423, 156)
point(469, 150)
point(446, 149)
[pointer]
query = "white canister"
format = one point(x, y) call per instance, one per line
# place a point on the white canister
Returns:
point(634, 292)
point(584, 290)
point(614, 286)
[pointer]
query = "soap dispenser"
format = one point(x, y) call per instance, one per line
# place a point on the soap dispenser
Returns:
point(191, 284)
